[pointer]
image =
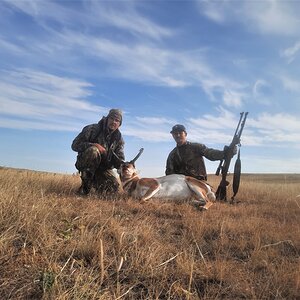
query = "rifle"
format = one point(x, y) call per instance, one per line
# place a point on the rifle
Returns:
point(225, 163)
point(111, 150)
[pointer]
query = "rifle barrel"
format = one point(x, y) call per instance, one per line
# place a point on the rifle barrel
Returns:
point(225, 163)
point(242, 125)
point(239, 123)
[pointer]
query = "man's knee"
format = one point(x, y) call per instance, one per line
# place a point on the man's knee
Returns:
point(88, 160)
point(92, 152)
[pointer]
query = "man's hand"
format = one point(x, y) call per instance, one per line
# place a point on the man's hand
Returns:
point(101, 149)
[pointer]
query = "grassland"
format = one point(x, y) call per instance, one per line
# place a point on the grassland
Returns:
point(55, 245)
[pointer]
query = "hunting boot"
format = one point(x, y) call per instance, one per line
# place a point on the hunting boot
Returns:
point(86, 183)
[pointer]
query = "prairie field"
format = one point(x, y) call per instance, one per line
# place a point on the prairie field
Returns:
point(56, 245)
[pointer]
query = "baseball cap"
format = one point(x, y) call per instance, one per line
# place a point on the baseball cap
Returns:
point(177, 128)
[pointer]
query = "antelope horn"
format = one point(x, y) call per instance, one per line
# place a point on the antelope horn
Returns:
point(137, 156)
point(118, 158)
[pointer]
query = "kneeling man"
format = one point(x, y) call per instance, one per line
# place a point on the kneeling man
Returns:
point(96, 145)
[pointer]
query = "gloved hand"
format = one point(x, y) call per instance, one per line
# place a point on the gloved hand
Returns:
point(101, 149)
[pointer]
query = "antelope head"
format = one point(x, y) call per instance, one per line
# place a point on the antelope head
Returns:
point(127, 169)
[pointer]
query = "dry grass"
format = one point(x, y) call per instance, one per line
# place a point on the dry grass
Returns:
point(54, 245)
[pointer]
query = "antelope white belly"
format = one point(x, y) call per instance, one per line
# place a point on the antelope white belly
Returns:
point(170, 186)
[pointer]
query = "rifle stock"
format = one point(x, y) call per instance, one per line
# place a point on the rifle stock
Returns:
point(225, 163)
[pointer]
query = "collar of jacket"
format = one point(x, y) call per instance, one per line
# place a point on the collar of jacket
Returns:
point(186, 143)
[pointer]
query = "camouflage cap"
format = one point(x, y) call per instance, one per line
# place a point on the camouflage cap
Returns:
point(116, 113)
point(178, 128)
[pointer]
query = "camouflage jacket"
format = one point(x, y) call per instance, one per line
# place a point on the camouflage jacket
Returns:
point(188, 159)
point(99, 133)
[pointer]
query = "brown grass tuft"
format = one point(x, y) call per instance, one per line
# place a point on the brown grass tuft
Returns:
point(55, 245)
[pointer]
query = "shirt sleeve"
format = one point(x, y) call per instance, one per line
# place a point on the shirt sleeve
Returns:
point(83, 139)
point(212, 154)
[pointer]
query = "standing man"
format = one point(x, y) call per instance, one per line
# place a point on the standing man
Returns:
point(187, 158)
point(96, 145)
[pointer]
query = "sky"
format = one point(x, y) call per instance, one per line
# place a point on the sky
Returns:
point(64, 64)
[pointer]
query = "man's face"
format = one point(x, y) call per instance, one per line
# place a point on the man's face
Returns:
point(179, 137)
point(113, 123)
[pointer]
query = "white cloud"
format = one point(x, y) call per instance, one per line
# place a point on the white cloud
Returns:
point(291, 53)
point(258, 85)
point(43, 11)
point(154, 120)
point(36, 124)
point(51, 102)
point(279, 121)
point(273, 129)
point(45, 82)
point(93, 14)
point(125, 17)
point(274, 16)
point(152, 129)
point(149, 134)
point(261, 92)
point(137, 60)
point(142, 62)
point(6, 46)
point(226, 119)
point(233, 92)
point(212, 10)
point(266, 17)
point(209, 129)
point(213, 129)
point(259, 164)
point(276, 129)
point(290, 84)
point(232, 98)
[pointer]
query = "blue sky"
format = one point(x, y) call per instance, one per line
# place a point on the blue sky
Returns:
point(64, 64)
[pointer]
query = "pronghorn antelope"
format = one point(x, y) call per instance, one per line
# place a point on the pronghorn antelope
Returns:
point(170, 187)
